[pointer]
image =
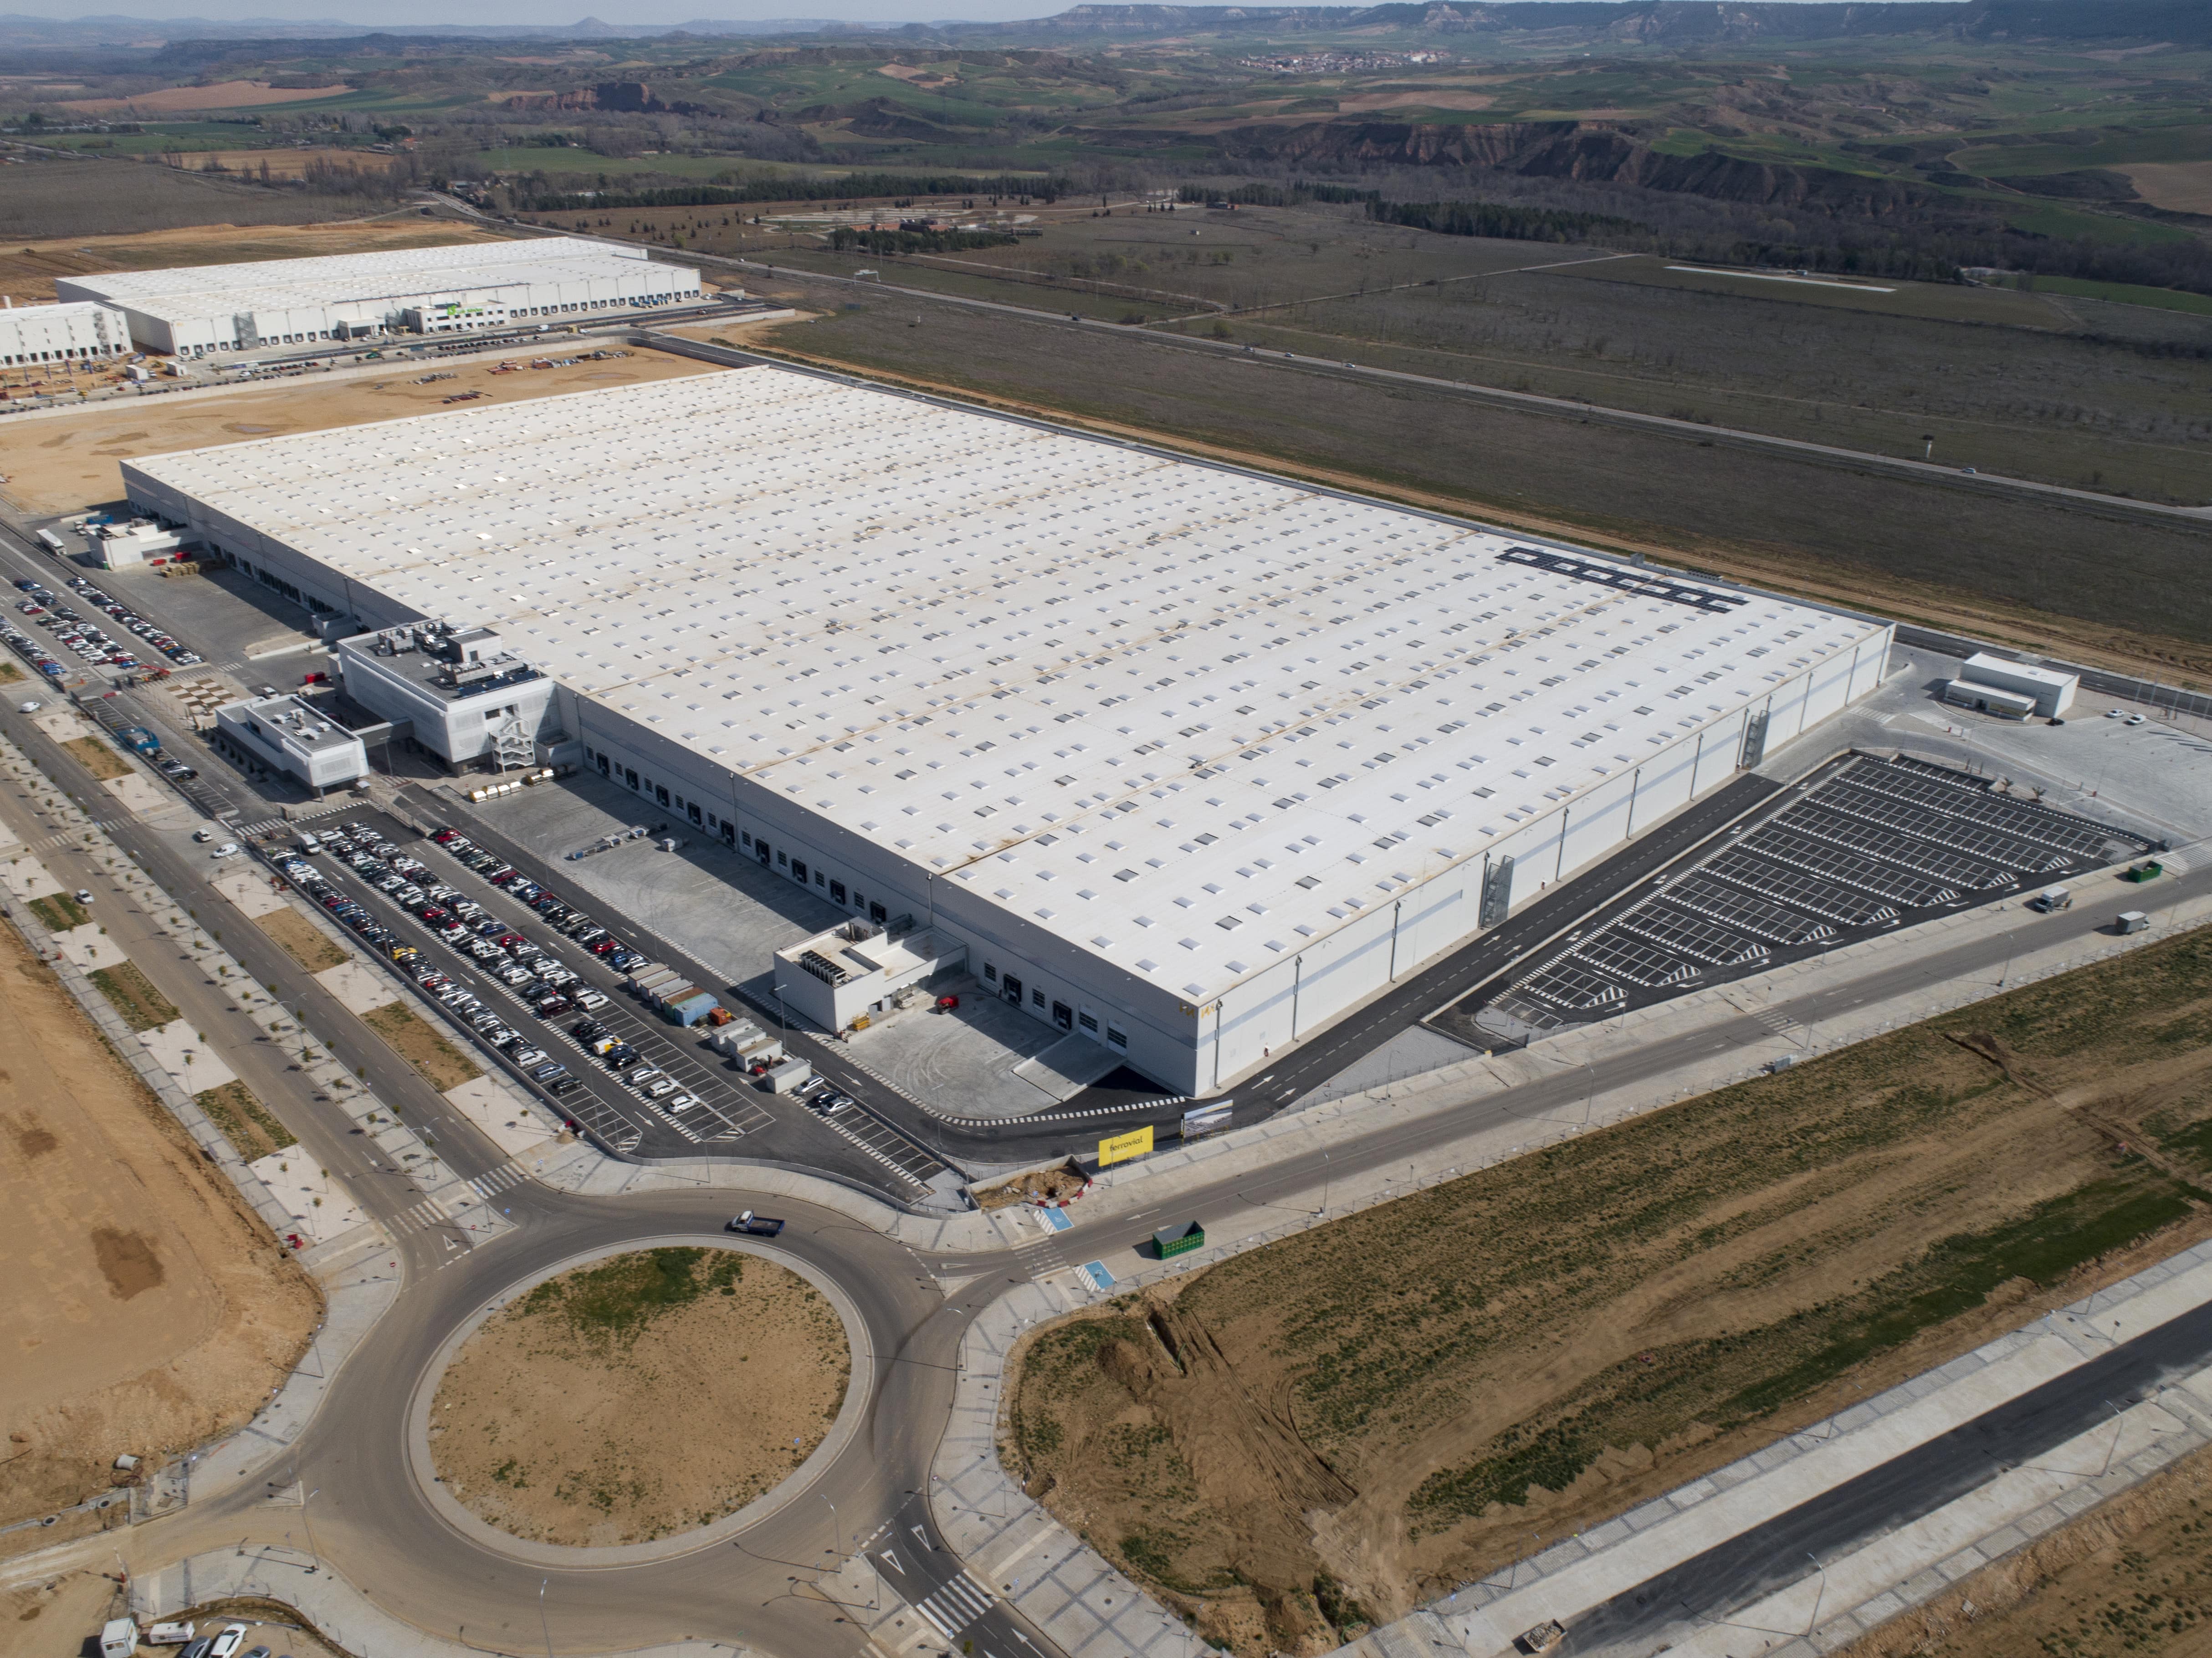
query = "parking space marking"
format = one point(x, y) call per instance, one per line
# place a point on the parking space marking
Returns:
point(1867, 844)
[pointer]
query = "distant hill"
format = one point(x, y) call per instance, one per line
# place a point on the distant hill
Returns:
point(1669, 22)
point(1662, 22)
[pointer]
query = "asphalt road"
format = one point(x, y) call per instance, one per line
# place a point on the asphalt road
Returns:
point(1787, 1549)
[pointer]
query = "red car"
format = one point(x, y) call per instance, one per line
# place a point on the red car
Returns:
point(444, 836)
point(606, 946)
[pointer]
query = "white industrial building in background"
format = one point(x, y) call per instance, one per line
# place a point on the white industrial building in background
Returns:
point(201, 310)
point(79, 332)
point(1178, 758)
point(1995, 685)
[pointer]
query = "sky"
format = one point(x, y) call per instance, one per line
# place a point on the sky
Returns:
point(400, 13)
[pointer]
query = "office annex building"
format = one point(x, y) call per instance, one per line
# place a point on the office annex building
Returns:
point(1188, 760)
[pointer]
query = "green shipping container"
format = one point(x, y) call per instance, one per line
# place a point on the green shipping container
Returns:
point(1179, 1240)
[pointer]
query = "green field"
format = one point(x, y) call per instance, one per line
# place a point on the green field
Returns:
point(2097, 148)
point(2161, 299)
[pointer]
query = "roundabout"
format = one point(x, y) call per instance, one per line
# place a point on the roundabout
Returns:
point(639, 1401)
point(380, 1518)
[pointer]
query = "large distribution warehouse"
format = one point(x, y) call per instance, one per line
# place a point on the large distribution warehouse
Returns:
point(78, 332)
point(199, 310)
point(1189, 761)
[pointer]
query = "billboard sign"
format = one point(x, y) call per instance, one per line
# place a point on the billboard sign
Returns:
point(1210, 1119)
point(1121, 1147)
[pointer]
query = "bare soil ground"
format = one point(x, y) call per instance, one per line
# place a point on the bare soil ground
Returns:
point(562, 1419)
point(146, 1310)
point(299, 939)
point(1341, 1425)
point(96, 757)
point(220, 94)
point(2184, 186)
point(61, 464)
point(442, 1065)
point(2131, 1578)
point(1756, 519)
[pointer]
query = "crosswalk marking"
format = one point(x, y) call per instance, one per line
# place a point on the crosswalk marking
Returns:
point(494, 1181)
point(422, 1216)
point(958, 1604)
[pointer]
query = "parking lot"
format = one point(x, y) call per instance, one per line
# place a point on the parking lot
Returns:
point(538, 988)
point(1864, 845)
point(107, 636)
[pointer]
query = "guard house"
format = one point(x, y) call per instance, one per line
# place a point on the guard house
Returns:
point(837, 976)
point(2045, 691)
point(291, 735)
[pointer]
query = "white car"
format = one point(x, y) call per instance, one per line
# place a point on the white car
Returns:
point(682, 1103)
point(228, 1644)
point(30, 708)
point(2136, 718)
point(530, 1056)
point(589, 1000)
point(228, 849)
point(84, 895)
point(2115, 713)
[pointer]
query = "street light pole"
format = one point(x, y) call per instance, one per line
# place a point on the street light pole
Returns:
point(542, 1624)
point(838, 1524)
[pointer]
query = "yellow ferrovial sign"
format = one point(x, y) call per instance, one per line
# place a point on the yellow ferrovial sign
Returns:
point(1123, 1147)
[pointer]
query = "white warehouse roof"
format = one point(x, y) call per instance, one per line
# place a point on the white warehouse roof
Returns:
point(1183, 717)
point(191, 291)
